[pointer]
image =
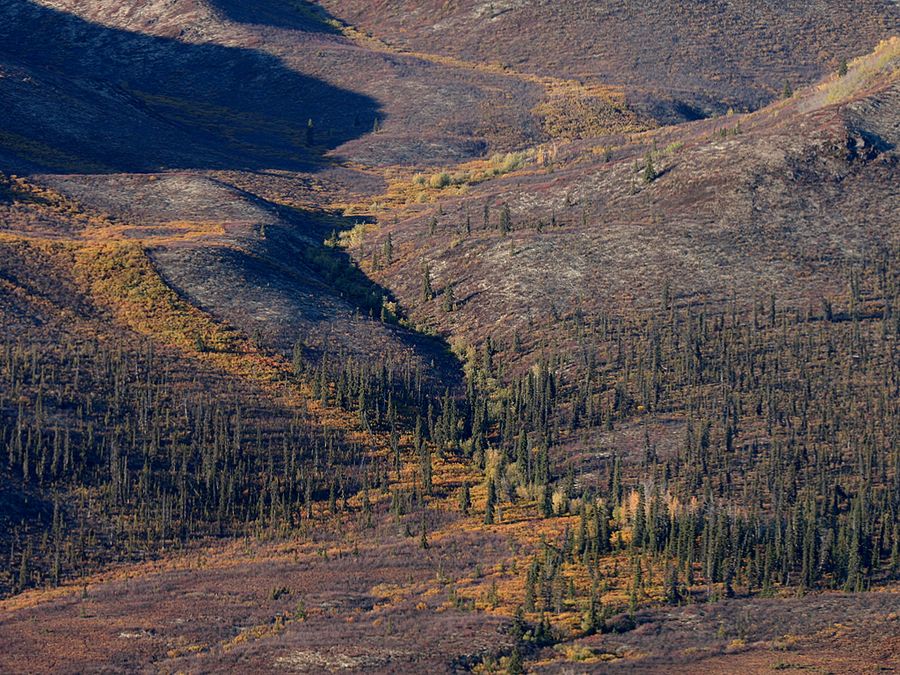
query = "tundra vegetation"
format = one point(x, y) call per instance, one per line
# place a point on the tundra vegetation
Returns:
point(388, 350)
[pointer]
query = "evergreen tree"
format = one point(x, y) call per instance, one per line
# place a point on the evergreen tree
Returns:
point(423, 538)
point(465, 499)
point(649, 174)
point(672, 590)
point(547, 501)
point(427, 291)
point(491, 502)
point(505, 223)
point(449, 300)
point(388, 250)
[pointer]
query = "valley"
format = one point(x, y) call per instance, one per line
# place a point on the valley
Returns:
point(495, 337)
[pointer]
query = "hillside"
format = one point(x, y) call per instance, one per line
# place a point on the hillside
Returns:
point(449, 337)
point(192, 89)
point(783, 202)
point(676, 60)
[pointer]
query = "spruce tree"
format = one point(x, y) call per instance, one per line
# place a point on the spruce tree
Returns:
point(465, 499)
point(491, 502)
point(427, 291)
point(649, 173)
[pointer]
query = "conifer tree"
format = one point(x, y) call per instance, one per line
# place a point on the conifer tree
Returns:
point(491, 502)
point(465, 499)
point(649, 173)
point(388, 250)
point(427, 291)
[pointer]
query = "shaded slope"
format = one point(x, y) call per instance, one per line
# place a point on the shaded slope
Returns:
point(201, 89)
point(258, 267)
point(81, 96)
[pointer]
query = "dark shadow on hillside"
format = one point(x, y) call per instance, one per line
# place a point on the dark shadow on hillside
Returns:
point(333, 273)
point(296, 15)
point(283, 284)
point(89, 99)
point(342, 275)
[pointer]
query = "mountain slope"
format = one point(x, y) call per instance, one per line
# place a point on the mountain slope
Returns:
point(199, 91)
point(769, 203)
point(483, 371)
point(676, 60)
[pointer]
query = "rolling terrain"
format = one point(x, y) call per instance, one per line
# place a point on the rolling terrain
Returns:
point(801, 189)
point(406, 337)
point(675, 60)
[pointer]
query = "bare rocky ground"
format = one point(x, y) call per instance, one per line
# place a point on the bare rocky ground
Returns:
point(191, 86)
point(164, 85)
point(255, 265)
point(676, 60)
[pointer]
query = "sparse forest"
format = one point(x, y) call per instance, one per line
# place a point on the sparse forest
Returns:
point(492, 337)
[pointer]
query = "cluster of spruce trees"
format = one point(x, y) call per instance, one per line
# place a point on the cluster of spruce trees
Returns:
point(786, 472)
point(115, 452)
point(787, 469)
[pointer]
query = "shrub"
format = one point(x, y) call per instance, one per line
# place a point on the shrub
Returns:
point(439, 181)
